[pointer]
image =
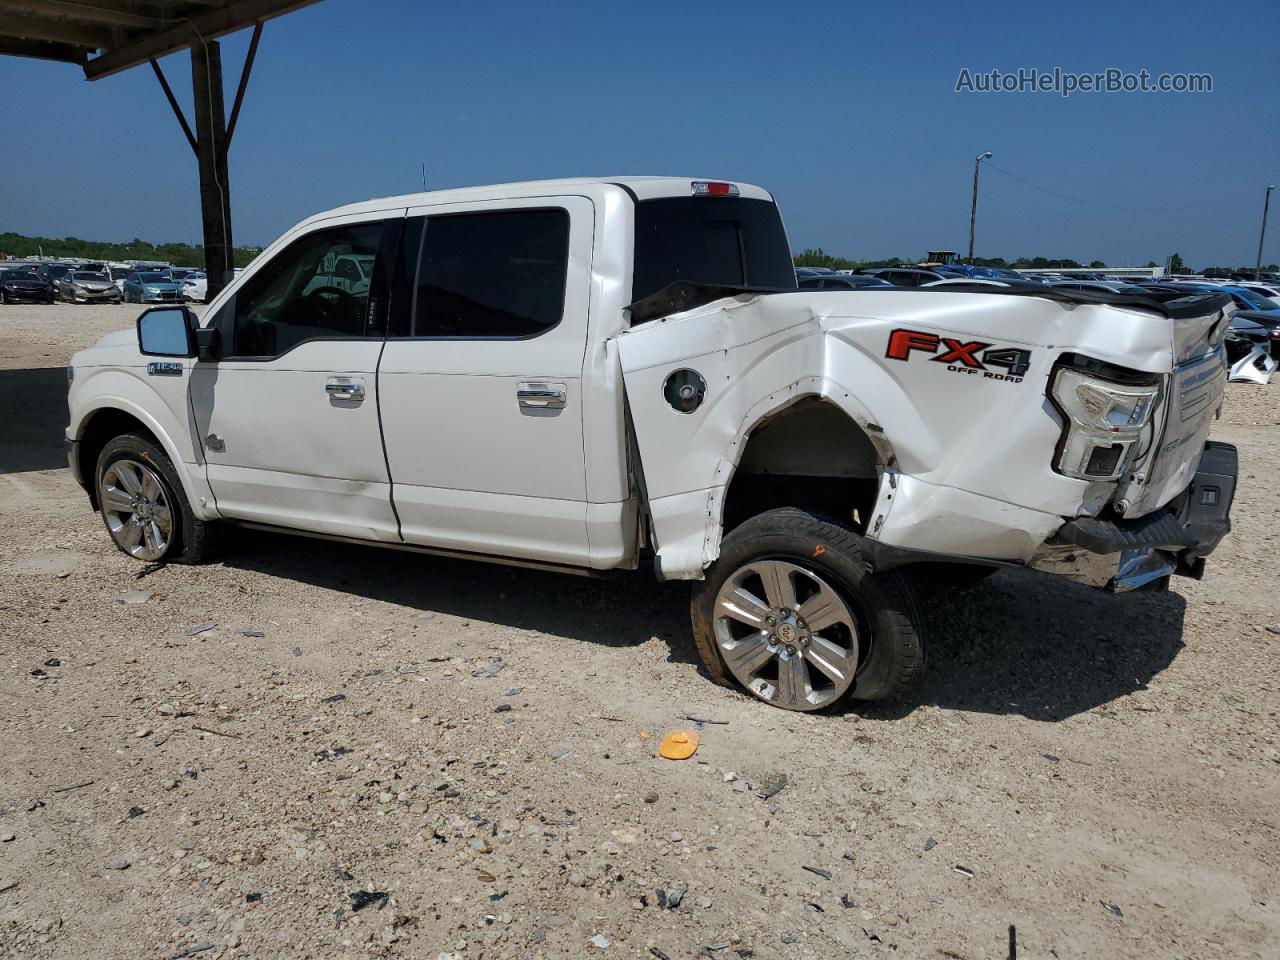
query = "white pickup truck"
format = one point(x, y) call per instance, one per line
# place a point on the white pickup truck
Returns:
point(581, 374)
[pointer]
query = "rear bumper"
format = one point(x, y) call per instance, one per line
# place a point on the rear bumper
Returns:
point(1129, 554)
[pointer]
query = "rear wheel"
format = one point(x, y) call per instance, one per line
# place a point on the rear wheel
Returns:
point(143, 505)
point(791, 613)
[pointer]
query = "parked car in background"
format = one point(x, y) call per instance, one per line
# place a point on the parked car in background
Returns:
point(195, 287)
point(1252, 320)
point(86, 286)
point(838, 281)
point(53, 272)
point(1102, 286)
point(902, 276)
point(151, 287)
point(117, 272)
point(24, 286)
point(1248, 299)
point(1252, 346)
point(953, 282)
point(1243, 298)
point(1270, 291)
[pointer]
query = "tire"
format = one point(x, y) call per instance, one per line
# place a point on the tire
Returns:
point(878, 633)
point(187, 539)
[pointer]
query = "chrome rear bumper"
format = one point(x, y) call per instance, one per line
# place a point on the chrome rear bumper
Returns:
point(1124, 555)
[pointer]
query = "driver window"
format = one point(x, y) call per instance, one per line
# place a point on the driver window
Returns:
point(298, 295)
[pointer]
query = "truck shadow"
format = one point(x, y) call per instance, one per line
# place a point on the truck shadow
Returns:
point(622, 610)
point(1041, 647)
point(34, 402)
point(1019, 643)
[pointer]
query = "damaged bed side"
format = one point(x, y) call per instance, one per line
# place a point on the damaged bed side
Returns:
point(921, 418)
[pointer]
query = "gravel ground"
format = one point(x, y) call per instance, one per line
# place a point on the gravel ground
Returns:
point(314, 750)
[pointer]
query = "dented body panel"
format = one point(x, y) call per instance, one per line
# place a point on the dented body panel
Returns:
point(949, 387)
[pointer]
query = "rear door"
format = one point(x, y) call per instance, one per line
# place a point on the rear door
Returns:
point(289, 416)
point(482, 400)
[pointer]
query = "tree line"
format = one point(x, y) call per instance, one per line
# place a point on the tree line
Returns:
point(17, 246)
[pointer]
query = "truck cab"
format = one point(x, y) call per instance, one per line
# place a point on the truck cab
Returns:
point(578, 373)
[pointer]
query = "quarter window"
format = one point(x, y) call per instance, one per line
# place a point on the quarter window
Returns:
point(307, 292)
point(498, 275)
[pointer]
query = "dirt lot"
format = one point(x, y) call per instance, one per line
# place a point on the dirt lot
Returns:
point(223, 767)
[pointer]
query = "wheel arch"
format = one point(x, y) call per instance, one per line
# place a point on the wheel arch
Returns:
point(114, 416)
point(773, 429)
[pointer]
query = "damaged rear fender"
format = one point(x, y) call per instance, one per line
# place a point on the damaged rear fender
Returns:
point(756, 366)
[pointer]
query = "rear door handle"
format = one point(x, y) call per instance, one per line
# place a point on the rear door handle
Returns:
point(542, 395)
point(344, 388)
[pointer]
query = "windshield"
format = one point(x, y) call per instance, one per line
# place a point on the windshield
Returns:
point(152, 277)
point(87, 275)
point(19, 275)
point(719, 241)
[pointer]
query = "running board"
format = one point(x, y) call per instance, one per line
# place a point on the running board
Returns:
point(431, 551)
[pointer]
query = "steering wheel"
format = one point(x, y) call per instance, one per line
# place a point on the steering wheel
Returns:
point(332, 307)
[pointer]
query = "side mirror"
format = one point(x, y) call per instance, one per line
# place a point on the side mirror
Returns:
point(167, 332)
point(208, 343)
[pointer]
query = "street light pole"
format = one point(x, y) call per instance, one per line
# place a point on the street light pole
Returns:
point(973, 210)
point(1266, 202)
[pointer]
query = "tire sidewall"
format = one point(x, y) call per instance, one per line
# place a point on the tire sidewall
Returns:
point(831, 552)
point(131, 446)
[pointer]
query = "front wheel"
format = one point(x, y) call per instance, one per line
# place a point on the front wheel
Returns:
point(791, 612)
point(143, 505)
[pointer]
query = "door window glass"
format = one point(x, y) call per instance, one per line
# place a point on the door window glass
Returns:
point(311, 290)
point(498, 275)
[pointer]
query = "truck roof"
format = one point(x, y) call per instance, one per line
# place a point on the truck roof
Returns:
point(641, 188)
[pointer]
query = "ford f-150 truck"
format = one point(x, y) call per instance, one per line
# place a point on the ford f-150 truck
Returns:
point(591, 374)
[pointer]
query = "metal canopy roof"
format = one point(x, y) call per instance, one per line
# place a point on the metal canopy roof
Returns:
point(106, 36)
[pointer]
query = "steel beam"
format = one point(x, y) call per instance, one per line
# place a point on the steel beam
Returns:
point(56, 31)
point(96, 11)
point(177, 110)
point(211, 152)
point(214, 23)
point(244, 81)
point(44, 50)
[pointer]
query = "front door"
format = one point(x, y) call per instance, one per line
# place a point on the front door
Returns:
point(482, 406)
point(289, 415)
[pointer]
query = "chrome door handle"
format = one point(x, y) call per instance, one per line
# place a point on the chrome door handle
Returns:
point(343, 388)
point(542, 395)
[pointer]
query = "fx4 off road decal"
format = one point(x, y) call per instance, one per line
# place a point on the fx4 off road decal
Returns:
point(974, 357)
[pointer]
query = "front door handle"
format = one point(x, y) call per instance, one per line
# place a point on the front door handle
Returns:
point(542, 395)
point(344, 388)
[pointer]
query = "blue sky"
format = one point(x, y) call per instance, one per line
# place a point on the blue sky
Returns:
point(847, 112)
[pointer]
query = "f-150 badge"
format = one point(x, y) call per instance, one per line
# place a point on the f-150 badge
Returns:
point(974, 357)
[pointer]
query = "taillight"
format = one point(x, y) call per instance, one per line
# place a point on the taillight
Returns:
point(1103, 419)
point(714, 188)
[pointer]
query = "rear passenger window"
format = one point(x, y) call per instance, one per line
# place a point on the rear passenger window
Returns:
point(497, 275)
point(311, 290)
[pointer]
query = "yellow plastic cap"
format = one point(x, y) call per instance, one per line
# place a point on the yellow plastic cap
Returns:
point(679, 745)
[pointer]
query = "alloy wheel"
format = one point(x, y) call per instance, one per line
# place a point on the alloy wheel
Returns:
point(136, 509)
point(787, 635)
